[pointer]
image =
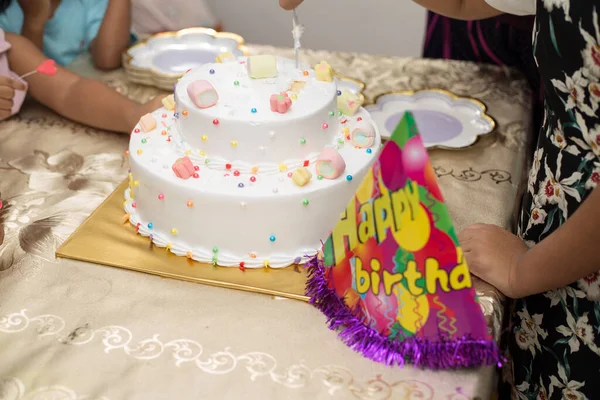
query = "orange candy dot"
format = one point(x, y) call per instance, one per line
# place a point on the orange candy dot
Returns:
point(184, 113)
point(189, 255)
point(190, 204)
point(305, 73)
point(164, 133)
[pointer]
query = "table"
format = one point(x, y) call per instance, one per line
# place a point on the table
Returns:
point(73, 329)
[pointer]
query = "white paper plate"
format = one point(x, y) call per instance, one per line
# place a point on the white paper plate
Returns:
point(444, 119)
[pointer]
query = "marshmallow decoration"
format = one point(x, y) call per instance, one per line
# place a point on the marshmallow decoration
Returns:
point(169, 102)
point(280, 103)
point(202, 94)
point(183, 168)
point(348, 102)
point(147, 123)
point(363, 134)
point(330, 163)
point(324, 72)
point(301, 176)
point(224, 57)
point(261, 67)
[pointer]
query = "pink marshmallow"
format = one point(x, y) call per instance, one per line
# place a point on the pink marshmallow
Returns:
point(183, 168)
point(203, 94)
point(147, 123)
point(280, 102)
point(330, 163)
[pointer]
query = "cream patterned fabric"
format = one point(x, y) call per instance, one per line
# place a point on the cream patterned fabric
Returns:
point(72, 330)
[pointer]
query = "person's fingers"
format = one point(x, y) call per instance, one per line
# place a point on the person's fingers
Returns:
point(6, 92)
point(12, 83)
point(4, 114)
point(289, 4)
point(6, 104)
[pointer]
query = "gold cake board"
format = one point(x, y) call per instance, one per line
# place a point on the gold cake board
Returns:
point(105, 238)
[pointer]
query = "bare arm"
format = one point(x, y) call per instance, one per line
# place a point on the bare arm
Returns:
point(458, 9)
point(35, 16)
point(114, 35)
point(83, 100)
point(567, 255)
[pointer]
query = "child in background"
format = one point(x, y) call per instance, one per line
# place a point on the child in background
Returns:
point(64, 29)
point(552, 266)
point(154, 16)
point(83, 100)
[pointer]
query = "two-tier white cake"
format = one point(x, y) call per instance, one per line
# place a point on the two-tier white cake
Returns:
point(253, 166)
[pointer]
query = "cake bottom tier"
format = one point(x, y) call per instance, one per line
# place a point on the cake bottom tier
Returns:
point(232, 219)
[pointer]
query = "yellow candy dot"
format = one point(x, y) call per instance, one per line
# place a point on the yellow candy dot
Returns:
point(189, 255)
point(188, 152)
point(266, 263)
point(169, 245)
point(234, 143)
point(202, 153)
point(283, 167)
point(204, 138)
point(173, 231)
point(294, 96)
point(254, 169)
point(136, 183)
point(140, 151)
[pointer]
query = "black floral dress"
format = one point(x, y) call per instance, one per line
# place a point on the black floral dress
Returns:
point(555, 336)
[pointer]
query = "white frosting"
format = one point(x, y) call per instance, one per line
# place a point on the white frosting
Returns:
point(263, 138)
point(269, 219)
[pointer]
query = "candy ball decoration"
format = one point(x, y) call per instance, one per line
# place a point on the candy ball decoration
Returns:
point(363, 134)
point(261, 67)
point(183, 168)
point(202, 93)
point(147, 123)
point(330, 164)
point(280, 103)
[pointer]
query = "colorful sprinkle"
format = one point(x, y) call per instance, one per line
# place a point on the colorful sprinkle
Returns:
point(176, 115)
point(190, 204)
point(290, 174)
point(215, 121)
point(161, 196)
point(150, 225)
point(202, 153)
point(134, 204)
point(272, 238)
point(253, 111)
point(253, 179)
point(188, 152)
point(234, 143)
point(126, 153)
point(339, 92)
point(319, 177)
point(236, 173)
point(196, 168)
point(331, 113)
point(204, 138)
point(325, 125)
point(169, 245)
point(236, 83)
point(305, 202)
point(369, 151)
point(164, 133)
point(136, 183)
point(184, 113)
point(294, 96)
point(189, 255)
point(254, 169)
point(136, 130)
point(340, 113)
point(305, 73)
point(282, 167)
point(240, 185)
point(140, 151)
point(305, 163)
point(302, 141)
point(196, 175)
point(359, 119)
point(174, 231)
point(227, 166)
point(242, 268)
point(144, 141)
point(348, 178)
point(266, 264)
point(215, 249)
point(214, 261)
point(212, 71)
point(206, 161)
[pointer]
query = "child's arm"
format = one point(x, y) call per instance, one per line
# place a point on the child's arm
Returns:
point(83, 100)
point(567, 255)
point(458, 9)
point(114, 35)
point(35, 16)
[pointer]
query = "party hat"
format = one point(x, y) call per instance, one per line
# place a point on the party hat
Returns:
point(392, 277)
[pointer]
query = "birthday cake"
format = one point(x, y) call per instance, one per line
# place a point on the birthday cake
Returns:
point(250, 162)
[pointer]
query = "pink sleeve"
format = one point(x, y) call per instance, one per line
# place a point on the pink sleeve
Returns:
point(5, 71)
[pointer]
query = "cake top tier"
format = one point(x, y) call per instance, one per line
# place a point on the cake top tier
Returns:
point(257, 111)
point(244, 98)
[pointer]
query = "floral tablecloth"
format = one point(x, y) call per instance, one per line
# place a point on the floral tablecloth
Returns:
point(72, 330)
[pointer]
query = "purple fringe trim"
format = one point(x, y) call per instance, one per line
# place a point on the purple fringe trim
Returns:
point(445, 353)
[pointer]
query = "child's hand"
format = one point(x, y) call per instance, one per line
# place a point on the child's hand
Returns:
point(7, 93)
point(36, 11)
point(493, 254)
point(289, 4)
